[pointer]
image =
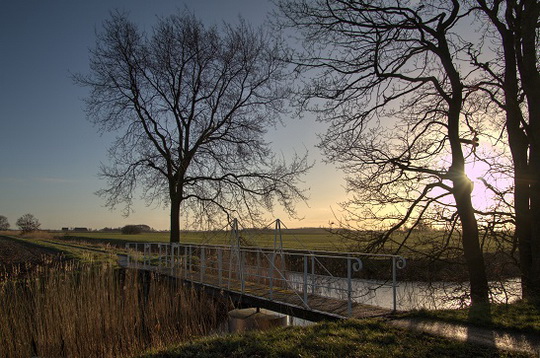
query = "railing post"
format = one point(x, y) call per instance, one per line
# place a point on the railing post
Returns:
point(127, 254)
point(169, 253)
point(190, 263)
point(271, 274)
point(242, 275)
point(185, 261)
point(203, 263)
point(349, 287)
point(313, 277)
point(394, 289)
point(146, 254)
point(305, 280)
point(220, 265)
point(258, 267)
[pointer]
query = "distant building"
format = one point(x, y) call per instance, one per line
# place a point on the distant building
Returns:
point(80, 229)
point(65, 229)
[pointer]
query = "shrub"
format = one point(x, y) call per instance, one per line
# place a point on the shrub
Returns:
point(4, 224)
point(131, 229)
point(28, 223)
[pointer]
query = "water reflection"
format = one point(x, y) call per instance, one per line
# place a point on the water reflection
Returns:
point(409, 294)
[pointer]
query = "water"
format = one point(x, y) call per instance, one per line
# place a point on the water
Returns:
point(409, 294)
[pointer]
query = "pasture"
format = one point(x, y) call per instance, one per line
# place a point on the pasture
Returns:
point(309, 238)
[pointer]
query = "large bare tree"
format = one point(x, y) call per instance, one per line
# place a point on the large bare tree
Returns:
point(191, 106)
point(512, 83)
point(391, 81)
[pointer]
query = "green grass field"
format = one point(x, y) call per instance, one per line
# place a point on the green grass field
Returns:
point(313, 239)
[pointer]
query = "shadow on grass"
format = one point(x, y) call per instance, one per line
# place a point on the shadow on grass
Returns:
point(349, 338)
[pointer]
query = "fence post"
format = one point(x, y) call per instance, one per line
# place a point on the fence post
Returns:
point(191, 253)
point(220, 265)
point(271, 274)
point(305, 280)
point(146, 254)
point(349, 286)
point(169, 253)
point(242, 275)
point(258, 267)
point(185, 261)
point(394, 289)
point(313, 277)
point(203, 263)
point(127, 254)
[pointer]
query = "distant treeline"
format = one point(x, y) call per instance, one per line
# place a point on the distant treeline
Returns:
point(130, 229)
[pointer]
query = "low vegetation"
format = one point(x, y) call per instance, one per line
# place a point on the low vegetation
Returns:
point(81, 310)
point(350, 338)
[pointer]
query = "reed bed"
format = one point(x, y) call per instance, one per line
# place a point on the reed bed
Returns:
point(82, 310)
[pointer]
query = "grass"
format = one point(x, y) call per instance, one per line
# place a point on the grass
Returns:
point(314, 239)
point(81, 310)
point(350, 338)
point(89, 252)
point(519, 316)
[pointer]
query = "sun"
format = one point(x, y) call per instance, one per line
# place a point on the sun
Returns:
point(482, 177)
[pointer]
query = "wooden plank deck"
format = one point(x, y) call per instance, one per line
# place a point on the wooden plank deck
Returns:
point(279, 298)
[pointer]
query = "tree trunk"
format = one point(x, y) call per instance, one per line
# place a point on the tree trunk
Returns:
point(530, 76)
point(519, 146)
point(462, 189)
point(175, 219)
point(474, 257)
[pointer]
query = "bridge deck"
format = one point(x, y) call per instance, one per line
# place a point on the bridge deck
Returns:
point(279, 299)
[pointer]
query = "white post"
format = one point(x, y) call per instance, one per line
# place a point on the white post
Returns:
point(349, 287)
point(305, 280)
point(220, 265)
point(394, 289)
point(203, 263)
point(271, 274)
point(127, 253)
point(313, 277)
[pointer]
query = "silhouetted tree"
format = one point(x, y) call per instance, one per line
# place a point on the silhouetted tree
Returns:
point(512, 83)
point(28, 223)
point(393, 94)
point(192, 105)
point(131, 230)
point(4, 224)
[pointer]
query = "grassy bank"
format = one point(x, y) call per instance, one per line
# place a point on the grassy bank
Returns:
point(81, 310)
point(519, 317)
point(351, 338)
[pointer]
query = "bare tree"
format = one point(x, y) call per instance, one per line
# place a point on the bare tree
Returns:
point(512, 83)
point(192, 105)
point(4, 223)
point(28, 223)
point(394, 94)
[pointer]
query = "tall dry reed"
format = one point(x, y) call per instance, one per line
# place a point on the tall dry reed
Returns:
point(78, 310)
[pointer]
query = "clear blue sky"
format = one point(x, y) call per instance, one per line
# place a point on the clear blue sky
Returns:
point(50, 153)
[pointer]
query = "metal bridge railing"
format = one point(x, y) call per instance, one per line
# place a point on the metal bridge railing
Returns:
point(269, 273)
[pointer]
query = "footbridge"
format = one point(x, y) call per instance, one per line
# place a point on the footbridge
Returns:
point(309, 284)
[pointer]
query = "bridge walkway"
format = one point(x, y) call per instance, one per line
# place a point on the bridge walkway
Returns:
point(311, 285)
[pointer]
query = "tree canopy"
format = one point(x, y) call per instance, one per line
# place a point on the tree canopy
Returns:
point(394, 97)
point(4, 223)
point(191, 106)
point(28, 223)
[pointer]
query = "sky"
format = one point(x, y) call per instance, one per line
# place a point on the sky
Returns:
point(50, 154)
